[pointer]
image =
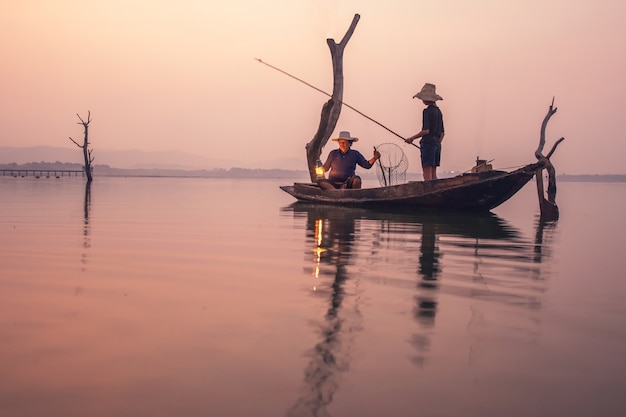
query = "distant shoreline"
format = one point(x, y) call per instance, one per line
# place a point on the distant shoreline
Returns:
point(591, 178)
point(107, 171)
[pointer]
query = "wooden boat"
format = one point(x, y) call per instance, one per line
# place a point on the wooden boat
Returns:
point(478, 191)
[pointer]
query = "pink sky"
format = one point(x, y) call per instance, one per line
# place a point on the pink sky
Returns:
point(163, 75)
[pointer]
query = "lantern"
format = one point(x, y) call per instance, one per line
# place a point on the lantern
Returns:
point(319, 170)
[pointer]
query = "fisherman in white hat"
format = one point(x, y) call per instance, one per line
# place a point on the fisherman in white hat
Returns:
point(432, 132)
point(342, 164)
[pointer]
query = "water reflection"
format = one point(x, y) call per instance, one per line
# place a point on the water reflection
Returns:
point(426, 301)
point(86, 211)
point(474, 256)
point(86, 232)
point(332, 235)
point(544, 234)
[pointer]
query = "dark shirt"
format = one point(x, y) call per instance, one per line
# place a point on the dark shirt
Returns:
point(432, 120)
point(342, 165)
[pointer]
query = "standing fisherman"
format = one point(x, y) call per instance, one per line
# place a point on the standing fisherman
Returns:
point(432, 132)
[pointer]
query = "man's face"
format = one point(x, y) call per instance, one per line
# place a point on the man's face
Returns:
point(344, 145)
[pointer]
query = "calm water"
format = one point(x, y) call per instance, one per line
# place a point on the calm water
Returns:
point(201, 297)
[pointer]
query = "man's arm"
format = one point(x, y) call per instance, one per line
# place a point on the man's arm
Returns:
point(374, 158)
point(420, 134)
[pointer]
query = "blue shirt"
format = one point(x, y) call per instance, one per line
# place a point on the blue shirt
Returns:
point(342, 165)
point(432, 120)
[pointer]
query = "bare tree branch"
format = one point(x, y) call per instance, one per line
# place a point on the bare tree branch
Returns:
point(544, 124)
point(85, 146)
point(77, 144)
point(332, 108)
point(554, 147)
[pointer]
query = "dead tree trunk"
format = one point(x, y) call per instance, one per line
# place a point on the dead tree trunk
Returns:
point(332, 108)
point(548, 208)
point(85, 146)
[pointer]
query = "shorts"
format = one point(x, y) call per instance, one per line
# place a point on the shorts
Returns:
point(431, 154)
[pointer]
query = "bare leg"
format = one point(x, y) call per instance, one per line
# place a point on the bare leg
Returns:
point(428, 173)
point(356, 182)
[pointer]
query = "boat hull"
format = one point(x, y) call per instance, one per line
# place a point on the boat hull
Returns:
point(476, 191)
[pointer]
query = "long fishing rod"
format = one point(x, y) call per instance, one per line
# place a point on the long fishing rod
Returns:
point(330, 95)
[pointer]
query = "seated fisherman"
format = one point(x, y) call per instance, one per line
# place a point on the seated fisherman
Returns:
point(342, 163)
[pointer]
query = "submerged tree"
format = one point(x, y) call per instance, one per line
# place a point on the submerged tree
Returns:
point(548, 208)
point(85, 146)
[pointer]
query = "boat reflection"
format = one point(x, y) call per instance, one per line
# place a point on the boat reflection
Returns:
point(490, 261)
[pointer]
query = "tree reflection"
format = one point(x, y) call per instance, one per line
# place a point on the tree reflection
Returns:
point(86, 231)
point(544, 234)
point(332, 236)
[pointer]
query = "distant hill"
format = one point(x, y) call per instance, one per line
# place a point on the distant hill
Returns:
point(136, 159)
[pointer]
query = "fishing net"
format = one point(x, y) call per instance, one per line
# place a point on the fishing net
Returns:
point(392, 165)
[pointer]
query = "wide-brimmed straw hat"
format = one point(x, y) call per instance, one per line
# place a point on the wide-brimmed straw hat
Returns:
point(428, 93)
point(346, 135)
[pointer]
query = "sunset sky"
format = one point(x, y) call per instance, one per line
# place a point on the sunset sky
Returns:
point(163, 75)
